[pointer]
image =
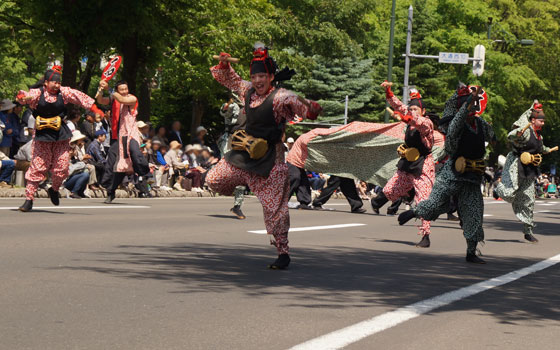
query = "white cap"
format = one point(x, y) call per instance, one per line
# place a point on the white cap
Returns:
point(290, 140)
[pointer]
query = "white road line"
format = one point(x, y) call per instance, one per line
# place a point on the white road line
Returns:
point(495, 202)
point(311, 228)
point(487, 215)
point(346, 336)
point(86, 207)
point(546, 204)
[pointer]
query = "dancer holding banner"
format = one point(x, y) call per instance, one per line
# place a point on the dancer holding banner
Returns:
point(257, 155)
point(517, 185)
point(461, 176)
point(415, 169)
point(124, 156)
point(51, 146)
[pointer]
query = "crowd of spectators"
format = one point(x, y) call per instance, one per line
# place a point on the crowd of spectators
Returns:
point(174, 164)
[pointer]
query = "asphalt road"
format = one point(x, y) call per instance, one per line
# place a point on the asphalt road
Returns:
point(184, 274)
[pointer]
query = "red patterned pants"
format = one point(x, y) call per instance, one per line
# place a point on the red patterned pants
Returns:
point(53, 156)
point(402, 182)
point(272, 192)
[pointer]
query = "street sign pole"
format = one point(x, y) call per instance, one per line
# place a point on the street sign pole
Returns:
point(443, 57)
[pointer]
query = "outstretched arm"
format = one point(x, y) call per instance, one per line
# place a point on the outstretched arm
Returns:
point(287, 105)
point(393, 100)
point(128, 100)
point(226, 75)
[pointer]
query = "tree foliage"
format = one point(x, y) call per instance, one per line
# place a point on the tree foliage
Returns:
point(338, 48)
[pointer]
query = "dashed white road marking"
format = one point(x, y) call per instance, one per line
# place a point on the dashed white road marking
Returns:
point(487, 215)
point(546, 204)
point(351, 334)
point(86, 207)
point(312, 228)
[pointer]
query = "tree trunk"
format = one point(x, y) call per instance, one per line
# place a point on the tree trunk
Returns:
point(144, 103)
point(197, 113)
point(85, 78)
point(129, 49)
point(70, 61)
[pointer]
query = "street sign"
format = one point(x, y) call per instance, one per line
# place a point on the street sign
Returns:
point(453, 57)
point(479, 59)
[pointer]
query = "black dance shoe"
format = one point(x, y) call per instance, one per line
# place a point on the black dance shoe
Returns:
point(359, 211)
point(54, 196)
point(406, 216)
point(424, 242)
point(109, 199)
point(531, 238)
point(473, 258)
point(26, 206)
point(281, 263)
point(237, 211)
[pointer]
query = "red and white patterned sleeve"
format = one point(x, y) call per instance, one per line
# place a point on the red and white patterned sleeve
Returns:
point(30, 97)
point(76, 97)
point(425, 127)
point(227, 76)
point(397, 105)
point(287, 105)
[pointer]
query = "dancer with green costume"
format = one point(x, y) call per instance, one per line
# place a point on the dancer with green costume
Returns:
point(517, 185)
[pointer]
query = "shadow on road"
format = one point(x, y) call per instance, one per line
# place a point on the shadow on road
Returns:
point(337, 277)
point(515, 227)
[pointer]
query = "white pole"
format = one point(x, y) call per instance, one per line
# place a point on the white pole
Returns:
point(407, 54)
point(346, 111)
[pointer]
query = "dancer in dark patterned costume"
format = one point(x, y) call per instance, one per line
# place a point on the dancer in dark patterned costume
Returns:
point(462, 174)
point(267, 109)
point(517, 185)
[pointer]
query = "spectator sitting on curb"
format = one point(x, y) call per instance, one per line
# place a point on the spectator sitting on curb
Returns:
point(78, 142)
point(23, 157)
point(97, 152)
point(78, 175)
point(176, 167)
point(73, 119)
point(7, 167)
point(144, 129)
point(161, 173)
point(200, 134)
point(10, 131)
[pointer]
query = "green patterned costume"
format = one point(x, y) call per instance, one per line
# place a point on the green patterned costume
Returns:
point(460, 135)
point(517, 187)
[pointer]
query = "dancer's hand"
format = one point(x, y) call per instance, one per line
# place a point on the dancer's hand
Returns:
point(387, 86)
point(314, 110)
point(104, 85)
point(223, 59)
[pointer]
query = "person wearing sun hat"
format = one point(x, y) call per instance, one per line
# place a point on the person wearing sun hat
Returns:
point(50, 143)
point(461, 176)
point(517, 185)
point(267, 108)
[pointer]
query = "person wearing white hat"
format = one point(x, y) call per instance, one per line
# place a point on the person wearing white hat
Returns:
point(50, 142)
point(144, 129)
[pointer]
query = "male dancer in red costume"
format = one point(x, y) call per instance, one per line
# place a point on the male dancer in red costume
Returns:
point(418, 174)
point(267, 109)
point(124, 156)
point(51, 142)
